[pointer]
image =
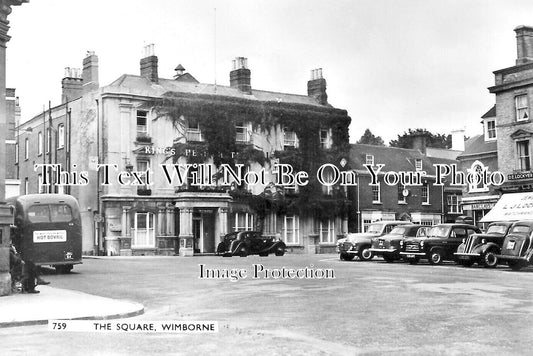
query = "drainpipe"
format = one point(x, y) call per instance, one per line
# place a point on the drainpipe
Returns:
point(99, 210)
point(359, 219)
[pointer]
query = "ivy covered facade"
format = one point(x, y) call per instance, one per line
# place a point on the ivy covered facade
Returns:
point(147, 122)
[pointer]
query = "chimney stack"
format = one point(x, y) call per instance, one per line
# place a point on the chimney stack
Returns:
point(458, 140)
point(90, 72)
point(240, 76)
point(71, 84)
point(149, 64)
point(524, 44)
point(316, 87)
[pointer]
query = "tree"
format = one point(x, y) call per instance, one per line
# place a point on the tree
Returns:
point(432, 140)
point(369, 139)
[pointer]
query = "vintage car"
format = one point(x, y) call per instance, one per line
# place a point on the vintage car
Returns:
point(483, 248)
point(244, 243)
point(358, 244)
point(516, 249)
point(440, 244)
point(388, 246)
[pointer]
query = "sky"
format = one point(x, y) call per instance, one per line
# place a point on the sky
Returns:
point(392, 64)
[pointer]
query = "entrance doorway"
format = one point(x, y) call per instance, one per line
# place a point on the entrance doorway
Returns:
point(203, 230)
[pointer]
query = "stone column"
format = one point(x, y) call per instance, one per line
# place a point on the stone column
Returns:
point(160, 222)
point(5, 10)
point(170, 221)
point(186, 236)
point(223, 218)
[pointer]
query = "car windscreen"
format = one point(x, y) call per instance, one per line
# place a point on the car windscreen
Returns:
point(49, 213)
point(497, 229)
point(231, 236)
point(374, 228)
point(439, 231)
point(520, 229)
point(398, 230)
point(422, 232)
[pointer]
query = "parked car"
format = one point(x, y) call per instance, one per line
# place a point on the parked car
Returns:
point(388, 246)
point(483, 248)
point(244, 243)
point(440, 244)
point(516, 249)
point(358, 244)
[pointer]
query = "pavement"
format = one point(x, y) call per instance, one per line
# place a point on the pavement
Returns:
point(51, 303)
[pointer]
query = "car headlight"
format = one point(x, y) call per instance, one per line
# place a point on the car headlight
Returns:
point(422, 243)
point(483, 241)
point(464, 240)
point(401, 243)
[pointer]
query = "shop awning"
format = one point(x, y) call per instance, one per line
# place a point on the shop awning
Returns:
point(511, 207)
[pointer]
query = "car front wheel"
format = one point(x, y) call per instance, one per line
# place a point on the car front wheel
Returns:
point(244, 251)
point(489, 259)
point(436, 257)
point(365, 254)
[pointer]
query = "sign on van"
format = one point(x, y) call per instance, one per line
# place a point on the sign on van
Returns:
point(50, 236)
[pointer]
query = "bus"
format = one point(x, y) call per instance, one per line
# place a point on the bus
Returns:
point(47, 230)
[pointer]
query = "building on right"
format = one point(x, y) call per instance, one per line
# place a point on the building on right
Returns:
point(514, 129)
point(480, 154)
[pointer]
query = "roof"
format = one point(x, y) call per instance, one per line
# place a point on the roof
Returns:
point(138, 85)
point(490, 113)
point(394, 159)
point(477, 145)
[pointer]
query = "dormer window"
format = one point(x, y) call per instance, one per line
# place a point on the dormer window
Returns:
point(490, 130)
point(369, 159)
point(418, 164)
